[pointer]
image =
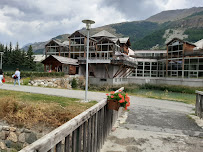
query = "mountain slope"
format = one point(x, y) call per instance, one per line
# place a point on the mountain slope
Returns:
point(185, 24)
point(173, 15)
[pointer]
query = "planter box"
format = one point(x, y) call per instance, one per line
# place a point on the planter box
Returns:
point(113, 105)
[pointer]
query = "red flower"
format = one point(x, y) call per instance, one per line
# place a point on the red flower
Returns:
point(107, 94)
point(112, 92)
point(121, 101)
point(120, 95)
point(112, 96)
point(119, 90)
point(127, 98)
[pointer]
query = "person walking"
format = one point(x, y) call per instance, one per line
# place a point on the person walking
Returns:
point(1, 77)
point(17, 77)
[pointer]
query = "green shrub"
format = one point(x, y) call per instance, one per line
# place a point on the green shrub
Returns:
point(74, 83)
point(36, 74)
point(172, 88)
point(26, 81)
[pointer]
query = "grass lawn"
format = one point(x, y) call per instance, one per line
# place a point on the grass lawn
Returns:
point(26, 109)
point(165, 95)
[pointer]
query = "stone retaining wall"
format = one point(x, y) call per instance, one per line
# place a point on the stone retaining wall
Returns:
point(14, 139)
point(56, 83)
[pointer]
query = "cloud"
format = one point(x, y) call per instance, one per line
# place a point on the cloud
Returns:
point(28, 21)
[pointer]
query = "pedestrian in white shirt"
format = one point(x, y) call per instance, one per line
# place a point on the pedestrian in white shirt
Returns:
point(1, 76)
point(16, 77)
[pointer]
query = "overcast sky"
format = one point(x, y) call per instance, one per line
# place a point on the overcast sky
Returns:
point(28, 21)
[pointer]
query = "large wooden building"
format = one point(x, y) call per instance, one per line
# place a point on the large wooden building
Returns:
point(181, 59)
point(109, 62)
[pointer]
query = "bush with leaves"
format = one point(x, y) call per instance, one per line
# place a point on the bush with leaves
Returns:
point(74, 83)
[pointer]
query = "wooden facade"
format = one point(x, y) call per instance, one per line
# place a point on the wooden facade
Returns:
point(54, 47)
point(60, 64)
point(107, 54)
point(104, 55)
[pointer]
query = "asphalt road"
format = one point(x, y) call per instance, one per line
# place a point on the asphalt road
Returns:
point(154, 125)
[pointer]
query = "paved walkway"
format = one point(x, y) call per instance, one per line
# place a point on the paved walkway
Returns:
point(56, 92)
point(154, 125)
point(151, 125)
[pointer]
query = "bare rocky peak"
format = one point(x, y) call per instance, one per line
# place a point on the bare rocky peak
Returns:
point(173, 15)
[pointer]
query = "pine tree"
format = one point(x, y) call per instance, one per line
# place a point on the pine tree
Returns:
point(17, 56)
point(6, 56)
point(30, 59)
point(23, 59)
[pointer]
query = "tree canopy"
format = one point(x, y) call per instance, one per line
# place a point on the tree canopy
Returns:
point(16, 58)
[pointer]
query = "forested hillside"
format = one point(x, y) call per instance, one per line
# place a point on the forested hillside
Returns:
point(186, 24)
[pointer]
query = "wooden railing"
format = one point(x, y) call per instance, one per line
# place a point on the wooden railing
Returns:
point(86, 132)
point(199, 104)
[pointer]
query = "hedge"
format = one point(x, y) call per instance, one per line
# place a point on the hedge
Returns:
point(172, 88)
point(36, 74)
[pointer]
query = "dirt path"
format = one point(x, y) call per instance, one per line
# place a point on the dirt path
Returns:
point(156, 126)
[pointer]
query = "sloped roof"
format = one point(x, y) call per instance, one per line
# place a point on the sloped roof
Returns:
point(180, 41)
point(38, 58)
point(131, 52)
point(104, 33)
point(77, 32)
point(124, 40)
point(63, 60)
point(105, 38)
point(114, 39)
point(66, 60)
point(199, 44)
point(65, 43)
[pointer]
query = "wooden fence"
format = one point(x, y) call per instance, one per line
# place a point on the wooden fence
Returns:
point(199, 104)
point(86, 132)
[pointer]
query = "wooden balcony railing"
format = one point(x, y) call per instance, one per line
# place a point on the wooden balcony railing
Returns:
point(86, 132)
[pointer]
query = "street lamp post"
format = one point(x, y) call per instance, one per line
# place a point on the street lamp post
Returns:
point(88, 25)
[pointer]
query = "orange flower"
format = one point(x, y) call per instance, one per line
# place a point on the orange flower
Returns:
point(121, 101)
point(120, 95)
point(112, 92)
point(107, 94)
point(128, 104)
point(112, 96)
point(127, 98)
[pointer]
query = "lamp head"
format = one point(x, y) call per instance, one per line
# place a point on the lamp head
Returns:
point(88, 23)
